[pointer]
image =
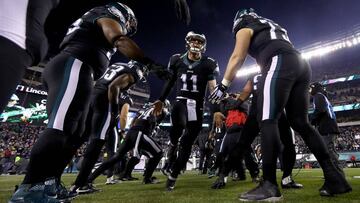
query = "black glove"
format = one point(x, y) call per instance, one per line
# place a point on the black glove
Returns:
point(182, 11)
point(159, 70)
point(218, 94)
point(164, 74)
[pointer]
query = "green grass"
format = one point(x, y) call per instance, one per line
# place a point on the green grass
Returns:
point(191, 187)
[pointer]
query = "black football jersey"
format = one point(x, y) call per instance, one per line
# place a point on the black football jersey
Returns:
point(192, 76)
point(266, 32)
point(110, 74)
point(255, 79)
point(85, 39)
point(146, 121)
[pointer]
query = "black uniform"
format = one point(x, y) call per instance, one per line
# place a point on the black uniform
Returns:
point(201, 141)
point(251, 130)
point(124, 98)
point(138, 138)
point(69, 79)
point(102, 128)
point(22, 39)
point(191, 78)
point(284, 84)
point(324, 119)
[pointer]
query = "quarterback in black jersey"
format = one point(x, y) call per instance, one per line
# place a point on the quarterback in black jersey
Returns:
point(192, 73)
point(140, 140)
point(285, 82)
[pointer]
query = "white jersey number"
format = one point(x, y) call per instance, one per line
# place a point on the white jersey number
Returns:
point(110, 73)
point(193, 80)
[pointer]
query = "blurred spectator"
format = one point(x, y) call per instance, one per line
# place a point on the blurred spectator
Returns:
point(353, 160)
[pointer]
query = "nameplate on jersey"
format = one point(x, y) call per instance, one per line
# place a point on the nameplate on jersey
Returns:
point(191, 109)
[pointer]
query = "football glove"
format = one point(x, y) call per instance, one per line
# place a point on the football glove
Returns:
point(218, 94)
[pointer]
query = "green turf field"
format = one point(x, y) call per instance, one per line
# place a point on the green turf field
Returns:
point(191, 187)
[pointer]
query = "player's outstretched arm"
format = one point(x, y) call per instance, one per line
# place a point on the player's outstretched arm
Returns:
point(182, 11)
point(237, 58)
point(115, 35)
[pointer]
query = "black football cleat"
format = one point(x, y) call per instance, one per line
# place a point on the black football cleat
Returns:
point(87, 189)
point(152, 180)
point(170, 183)
point(265, 191)
point(289, 183)
point(328, 191)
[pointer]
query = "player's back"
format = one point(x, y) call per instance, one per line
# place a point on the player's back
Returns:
point(268, 39)
point(86, 41)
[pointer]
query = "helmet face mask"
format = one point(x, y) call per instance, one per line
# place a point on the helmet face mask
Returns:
point(131, 26)
point(195, 42)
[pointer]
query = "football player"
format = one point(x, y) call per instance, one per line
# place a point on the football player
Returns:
point(69, 76)
point(104, 109)
point(23, 41)
point(114, 139)
point(285, 82)
point(193, 73)
point(251, 130)
point(139, 139)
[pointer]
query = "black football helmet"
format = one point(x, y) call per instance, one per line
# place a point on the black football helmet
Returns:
point(194, 36)
point(126, 15)
point(240, 14)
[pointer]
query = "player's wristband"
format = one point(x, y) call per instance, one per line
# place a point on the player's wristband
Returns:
point(226, 82)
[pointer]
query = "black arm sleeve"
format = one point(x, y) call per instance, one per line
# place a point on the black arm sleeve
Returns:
point(167, 88)
point(171, 82)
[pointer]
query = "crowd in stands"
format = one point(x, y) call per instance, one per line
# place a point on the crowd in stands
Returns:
point(16, 140)
point(327, 67)
point(347, 141)
point(346, 93)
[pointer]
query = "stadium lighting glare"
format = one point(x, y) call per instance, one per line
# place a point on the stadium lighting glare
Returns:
point(317, 51)
point(248, 71)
